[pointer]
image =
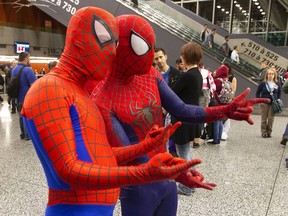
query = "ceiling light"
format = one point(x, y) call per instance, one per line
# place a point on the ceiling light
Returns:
point(259, 7)
point(263, 13)
point(235, 2)
point(227, 12)
point(223, 9)
point(254, 0)
point(261, 10)
point(243, 11)
point(240, 8)
point(237, 5)
point(218, 6)
point(256, 3)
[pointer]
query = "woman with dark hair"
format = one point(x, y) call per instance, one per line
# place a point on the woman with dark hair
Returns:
point(188, 87)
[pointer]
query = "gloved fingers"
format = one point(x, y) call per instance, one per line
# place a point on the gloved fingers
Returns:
point(258, 100)
point(174, 127)
point(243, 116)
point(247, 109)
point(160, 159)
point(156, 130)
point(207, 186)
point(197, 174)
point(178, 169)
point(175, 161)
point(242, 95)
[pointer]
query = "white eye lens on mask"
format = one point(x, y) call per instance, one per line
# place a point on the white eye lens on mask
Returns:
point(102, 33)
point(139, 45)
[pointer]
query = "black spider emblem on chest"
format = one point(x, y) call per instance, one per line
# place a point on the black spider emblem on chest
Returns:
point(146, 113)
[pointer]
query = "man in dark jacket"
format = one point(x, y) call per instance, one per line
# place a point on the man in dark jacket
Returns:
point(170, 75)
point(262, 73)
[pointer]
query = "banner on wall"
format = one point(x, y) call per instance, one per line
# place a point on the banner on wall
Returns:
point(62, 10)
point(253, 52)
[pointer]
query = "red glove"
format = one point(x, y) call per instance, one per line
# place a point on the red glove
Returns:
point(155, 138)
point(239, 109)
point(194, 179)
point(165, 166)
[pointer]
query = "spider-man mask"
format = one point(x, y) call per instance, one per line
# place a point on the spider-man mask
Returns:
point(91, 41)
point(136, 45)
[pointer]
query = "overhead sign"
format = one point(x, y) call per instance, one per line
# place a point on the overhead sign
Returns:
point(62, 10)
point(21, 47)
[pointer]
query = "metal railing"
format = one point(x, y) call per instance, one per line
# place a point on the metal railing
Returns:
point(187, 34)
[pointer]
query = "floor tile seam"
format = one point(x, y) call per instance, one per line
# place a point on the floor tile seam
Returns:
point(275, 181)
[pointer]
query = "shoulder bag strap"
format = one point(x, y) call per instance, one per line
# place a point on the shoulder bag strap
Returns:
point(20, 71)
point(271, 93)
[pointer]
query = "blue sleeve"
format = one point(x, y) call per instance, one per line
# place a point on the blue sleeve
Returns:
point(259, 90)
point(176, 107)
point(31, 76)
point(123, 132)
point(119, 131)
point(279, 90)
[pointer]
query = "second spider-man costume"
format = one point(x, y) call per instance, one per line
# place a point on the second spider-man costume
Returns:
point(130, 100)
point(68, 131)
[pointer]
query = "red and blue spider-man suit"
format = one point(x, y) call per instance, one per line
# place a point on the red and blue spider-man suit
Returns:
point(130, 100)
point(68, 131)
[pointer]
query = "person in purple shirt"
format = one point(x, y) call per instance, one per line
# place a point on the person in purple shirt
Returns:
point(26, 79)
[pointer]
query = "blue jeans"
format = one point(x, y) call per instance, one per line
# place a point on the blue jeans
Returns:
point(183, 151)
point(218, 129)
point(285, 135)
point(24, 134)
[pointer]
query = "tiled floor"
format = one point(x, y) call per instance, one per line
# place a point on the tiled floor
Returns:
point(249, 170)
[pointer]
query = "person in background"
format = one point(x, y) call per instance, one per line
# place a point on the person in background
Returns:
point(221, 74)
point(262, 73)
point(204, 33)
point(208, 89)
point(188, 88)
point(209, 40)
point(170, 75)
point(27, 78)
point(233, 80)
point(225, 47)
point(269, 85)
point(11, 101)
point(235, 55)
point(179, 65)
point(51, 65)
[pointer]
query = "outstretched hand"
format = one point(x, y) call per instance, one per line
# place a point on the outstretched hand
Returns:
point(165, 166)
point(241, 108)
point(158, 136)
point(194, 179)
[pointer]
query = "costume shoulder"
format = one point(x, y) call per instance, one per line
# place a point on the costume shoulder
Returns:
point(155, 73)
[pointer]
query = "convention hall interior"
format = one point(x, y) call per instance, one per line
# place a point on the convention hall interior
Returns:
point(250, 171)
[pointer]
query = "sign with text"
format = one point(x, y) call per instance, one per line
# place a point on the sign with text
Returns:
point(62, 10)
point(252, 51)
point(21, 47)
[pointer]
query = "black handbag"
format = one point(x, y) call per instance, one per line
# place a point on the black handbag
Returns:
point(277, 104)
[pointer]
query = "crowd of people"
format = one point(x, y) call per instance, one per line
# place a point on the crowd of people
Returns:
point(103, 143)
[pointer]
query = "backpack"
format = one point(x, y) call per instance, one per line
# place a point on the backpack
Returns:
point(226, 94)
point(13, 86)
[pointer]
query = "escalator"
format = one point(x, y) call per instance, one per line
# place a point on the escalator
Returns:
point(172, 29)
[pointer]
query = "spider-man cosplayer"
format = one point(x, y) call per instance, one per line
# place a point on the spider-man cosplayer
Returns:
point(130, 100)
point(68, 131)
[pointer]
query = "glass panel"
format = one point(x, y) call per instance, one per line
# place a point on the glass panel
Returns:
point(222, 14)
point(240, 17)
point(190, 6)
point(206, 9)
point(259, 13)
